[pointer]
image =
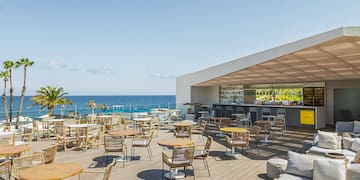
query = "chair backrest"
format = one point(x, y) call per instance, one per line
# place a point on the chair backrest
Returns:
point(113, 141)
point(8, 138)
point(49, 153)
point(28, 130)
point(185, 153)
point(226, 122)
point(28, 161)
point(109, 169)
point(5, 167)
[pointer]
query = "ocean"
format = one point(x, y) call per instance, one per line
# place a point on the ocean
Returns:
point(143, 103)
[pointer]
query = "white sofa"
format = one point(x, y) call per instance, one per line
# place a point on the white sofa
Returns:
point(307, 167)
point(300, 166)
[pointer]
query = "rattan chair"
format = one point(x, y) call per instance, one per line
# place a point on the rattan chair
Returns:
point(87, 137)
point(183, 132)
point(8, 139)
point(142, 141)
point(114, 144)
point(255, 137)
point(62, 139)
point(107, 171)
point(24, 162)
point(278, 126)
point(49, 153)
point(204, 153)
point(181, 157)
point(200, 130)
point(239, 140)
point(5, 169)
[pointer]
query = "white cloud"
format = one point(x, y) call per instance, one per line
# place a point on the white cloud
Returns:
point(103, 71)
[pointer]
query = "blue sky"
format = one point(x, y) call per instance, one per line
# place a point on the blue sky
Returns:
point(139, 47)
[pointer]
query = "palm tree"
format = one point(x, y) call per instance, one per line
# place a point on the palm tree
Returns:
point(49, 97)
point(25, 63)
point(8, 65)
point(92, 105)
point(5, 76)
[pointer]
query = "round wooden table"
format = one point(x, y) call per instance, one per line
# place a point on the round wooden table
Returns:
point(52, 171)
point(175, 142)
point(233, 130)
point(126, 132)
point(11, 150)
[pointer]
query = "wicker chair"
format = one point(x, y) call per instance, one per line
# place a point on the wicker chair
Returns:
point(107, 171)
point(5, 169)
point(88, 137)
point(181, 157)
point(255, 137)
point(62, 139)
point(26, 137)
point(200, 130)
point(203, 154)
point(24, 162)
point(49, 153)
point(8, 139)
point(278, 126)
point(142, 141)
point(239, 140)
point(114, 144)
point(182, 132)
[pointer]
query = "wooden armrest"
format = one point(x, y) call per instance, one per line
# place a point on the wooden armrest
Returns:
point(38, 152)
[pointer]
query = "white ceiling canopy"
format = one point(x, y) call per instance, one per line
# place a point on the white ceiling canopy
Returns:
point(334, 55)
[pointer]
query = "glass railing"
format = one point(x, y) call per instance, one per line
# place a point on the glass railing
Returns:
point(64, 111)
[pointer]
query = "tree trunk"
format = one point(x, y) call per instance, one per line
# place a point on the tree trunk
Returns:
point(11, 97)
point(5, 105)
point(21, 100)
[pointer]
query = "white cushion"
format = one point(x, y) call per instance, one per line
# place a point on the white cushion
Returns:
point(316, 139)
point(357, 127)
point(319, 150)
point(355, 146)
point(300, 164)
point(327, 140)
point(292, 177)
point(329, 169)
point(347, 141)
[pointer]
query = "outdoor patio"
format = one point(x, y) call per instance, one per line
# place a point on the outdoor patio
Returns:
point(221, 166)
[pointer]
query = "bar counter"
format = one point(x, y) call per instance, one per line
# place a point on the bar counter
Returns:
point(296, 116)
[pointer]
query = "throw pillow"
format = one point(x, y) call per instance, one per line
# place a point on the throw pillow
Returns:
point(347, 141)
point(357, 127)
point(327, 140)
point(300, 164)
point(329, 169)
point(356, 145)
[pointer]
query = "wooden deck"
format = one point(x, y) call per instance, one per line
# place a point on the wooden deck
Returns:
point(248, 166)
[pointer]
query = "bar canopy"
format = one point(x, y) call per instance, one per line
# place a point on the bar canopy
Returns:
point(333, 55)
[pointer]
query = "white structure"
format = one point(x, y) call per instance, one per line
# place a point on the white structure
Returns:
point(331, 58)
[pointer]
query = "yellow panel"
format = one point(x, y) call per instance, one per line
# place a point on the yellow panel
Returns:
point(307, 117)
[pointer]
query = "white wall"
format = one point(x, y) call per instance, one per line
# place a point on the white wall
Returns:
point(205, 95)
point(329, 100)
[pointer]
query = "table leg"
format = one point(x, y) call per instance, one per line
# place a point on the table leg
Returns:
point(233, 153)
point(174, 174)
